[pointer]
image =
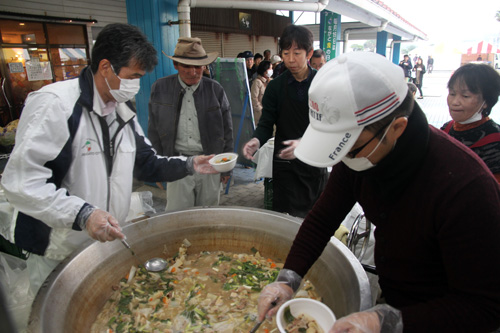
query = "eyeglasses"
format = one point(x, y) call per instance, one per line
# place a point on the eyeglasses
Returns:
point(353, 153)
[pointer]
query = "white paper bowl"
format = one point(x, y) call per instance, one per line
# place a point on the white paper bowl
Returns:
point(314, 309)
point(224, 166)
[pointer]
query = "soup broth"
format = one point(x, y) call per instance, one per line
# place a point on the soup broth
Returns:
point(203, 292)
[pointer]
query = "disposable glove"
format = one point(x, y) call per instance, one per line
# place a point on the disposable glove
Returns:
point(103, 227)
point(271, 298)
point(381, 318)
point(275, 294)
point(201, 165)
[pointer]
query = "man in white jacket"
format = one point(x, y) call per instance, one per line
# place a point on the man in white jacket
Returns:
point(78, 147)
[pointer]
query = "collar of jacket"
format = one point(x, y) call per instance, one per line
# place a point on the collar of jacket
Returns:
point(392, 175)
point(86, 81)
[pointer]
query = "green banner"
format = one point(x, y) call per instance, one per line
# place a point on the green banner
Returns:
point(331, 23)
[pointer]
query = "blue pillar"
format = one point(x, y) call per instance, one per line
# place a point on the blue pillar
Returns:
point(151, 16)
point(396, 49)
point(382, 42)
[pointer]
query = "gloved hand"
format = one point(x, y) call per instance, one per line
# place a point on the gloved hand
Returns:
point(381, 318)
point(288, 152)
point(271, 298)
point(250, 148)
point(103, 227)
point(201, 165)
point(275, 294)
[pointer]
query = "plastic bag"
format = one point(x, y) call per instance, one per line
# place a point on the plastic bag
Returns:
point(15, 280)
point(141, 203)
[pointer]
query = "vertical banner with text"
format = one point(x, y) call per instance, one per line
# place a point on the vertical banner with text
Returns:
point(329, 27)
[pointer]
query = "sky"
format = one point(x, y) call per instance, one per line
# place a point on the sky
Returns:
point(450, 21)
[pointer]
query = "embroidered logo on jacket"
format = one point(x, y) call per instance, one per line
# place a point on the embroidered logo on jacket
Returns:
point(89, 147)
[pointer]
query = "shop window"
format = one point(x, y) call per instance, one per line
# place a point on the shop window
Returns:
point(66, 34)
point(68, 62)
point(20, 32)
point(31, 59)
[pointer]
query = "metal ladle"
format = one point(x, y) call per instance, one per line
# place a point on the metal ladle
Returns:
point(155, 264)
point(152, 265)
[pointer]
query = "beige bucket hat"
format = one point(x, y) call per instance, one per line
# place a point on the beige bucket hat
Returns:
point(189, 51)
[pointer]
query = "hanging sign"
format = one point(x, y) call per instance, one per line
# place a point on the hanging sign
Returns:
point(329, 33)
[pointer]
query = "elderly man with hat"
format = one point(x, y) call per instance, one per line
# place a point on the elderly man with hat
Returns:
point(427, 194)
point(189, 114)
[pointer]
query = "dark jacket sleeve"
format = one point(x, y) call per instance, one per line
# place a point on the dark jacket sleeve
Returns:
point(321, 222)
point(154, 168)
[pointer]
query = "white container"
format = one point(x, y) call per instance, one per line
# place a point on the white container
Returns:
point(221, 166)
point(310, 307)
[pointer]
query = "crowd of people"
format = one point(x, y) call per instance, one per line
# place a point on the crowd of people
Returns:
point(79, 146)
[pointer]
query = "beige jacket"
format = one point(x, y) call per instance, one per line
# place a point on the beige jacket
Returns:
point(257, 92)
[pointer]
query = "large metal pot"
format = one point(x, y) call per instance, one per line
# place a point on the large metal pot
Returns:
point(76, 290)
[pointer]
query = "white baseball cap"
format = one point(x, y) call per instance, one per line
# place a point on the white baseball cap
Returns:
point(348, 93)
point(275, 58)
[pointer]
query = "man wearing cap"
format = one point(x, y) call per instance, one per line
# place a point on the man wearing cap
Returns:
point(415, 184)
point(278, 65)
point(189, 114)
point(249, 61)
point(296, 185)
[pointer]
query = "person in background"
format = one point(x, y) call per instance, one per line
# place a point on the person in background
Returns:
point(267, 55)
point(257, 58)
point(264, 74)
point(189, 115)
point(248, 56)
point(278, 65)
point(430, 64)
point(78, 147)
point(419, 71)
point(406, 65)
point(318, 59)
point(423, 191)
point(296, 185)
point(207, 72)
point(473, 90)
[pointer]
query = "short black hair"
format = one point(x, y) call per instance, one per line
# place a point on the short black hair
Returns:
point(257, 56)
point(263, 67)
point(412, 87)
point(123, 45)
point(479, 79)
point(299, 35)
point(319, 53)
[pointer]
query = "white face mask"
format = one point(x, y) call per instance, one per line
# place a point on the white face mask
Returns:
point(475, 117)
point(128, 88)
point(363, 163)
point(269, 73)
